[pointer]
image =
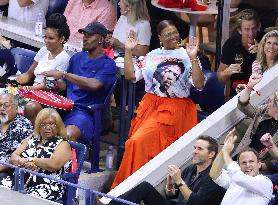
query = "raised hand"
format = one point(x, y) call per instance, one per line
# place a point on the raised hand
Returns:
point(254, 79)
point(253, 48)
point(175, 173)
point(229, 142)
point(256, 67)
point(267, 140)
point(233, 68)
point(192, 47)
point(131, 41)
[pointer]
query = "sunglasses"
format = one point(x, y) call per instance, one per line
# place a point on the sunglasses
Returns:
point(170, 34)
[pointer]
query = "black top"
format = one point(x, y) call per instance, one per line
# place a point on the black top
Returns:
point(204, 190)
point(266, 126)
point(232, 47)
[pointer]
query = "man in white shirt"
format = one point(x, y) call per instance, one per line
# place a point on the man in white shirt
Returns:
point(243, 182)
point(27, 10)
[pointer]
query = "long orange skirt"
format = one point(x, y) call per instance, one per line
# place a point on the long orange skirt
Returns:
point(159, 122)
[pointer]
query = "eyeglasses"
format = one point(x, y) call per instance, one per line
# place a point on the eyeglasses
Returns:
point(6, 105)
point(170, 34)
point(51, 124)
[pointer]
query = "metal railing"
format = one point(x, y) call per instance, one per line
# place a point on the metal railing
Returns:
point(90, 195)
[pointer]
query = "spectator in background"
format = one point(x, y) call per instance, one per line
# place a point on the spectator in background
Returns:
point(4, 4)
point(158, 15)
point(88, 80)
point(14, 128)
point(27, 10)
point(264, 118)
point(244, 43)
point(267, 55)
point(134, 17)
point(80, 13)
point(193, 186)
point(242, 180)
point(52, 56)
point(267, 10)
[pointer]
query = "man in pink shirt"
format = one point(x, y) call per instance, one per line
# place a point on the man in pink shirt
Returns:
point(80, 13)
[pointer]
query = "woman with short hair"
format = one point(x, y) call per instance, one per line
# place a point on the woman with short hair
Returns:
point(46, 151)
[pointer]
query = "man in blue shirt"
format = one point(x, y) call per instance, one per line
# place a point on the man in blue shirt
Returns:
point(88, 79)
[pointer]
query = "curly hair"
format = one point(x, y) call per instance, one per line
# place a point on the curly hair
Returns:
point(59, 22)
point(261, 57)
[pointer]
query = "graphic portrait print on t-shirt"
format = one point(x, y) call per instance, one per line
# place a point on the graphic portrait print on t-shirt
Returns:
point(166, 74)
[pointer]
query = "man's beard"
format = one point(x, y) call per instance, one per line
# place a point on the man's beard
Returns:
point(4, 118)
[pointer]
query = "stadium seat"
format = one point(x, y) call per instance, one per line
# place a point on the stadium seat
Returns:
point(72, 177)
point(98, 111)
point(23, 58)
point(56, 6)
point(211, 97)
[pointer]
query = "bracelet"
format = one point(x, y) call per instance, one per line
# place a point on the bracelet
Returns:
point(180, 184)
point(270, 146)
point(64, 74)
point(31, 159)
point(194, 60)
point(248, 87)
point(252, 89)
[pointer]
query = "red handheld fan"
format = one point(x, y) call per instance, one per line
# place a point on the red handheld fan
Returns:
point(47, 98)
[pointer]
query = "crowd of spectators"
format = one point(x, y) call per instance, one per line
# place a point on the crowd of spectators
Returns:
point(165, 113)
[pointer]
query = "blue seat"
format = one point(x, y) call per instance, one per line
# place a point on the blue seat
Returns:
point(56, 6)
point(72, 177)
point(6, 58)
point(98, 111)
point(211, 97)
point(23, 58)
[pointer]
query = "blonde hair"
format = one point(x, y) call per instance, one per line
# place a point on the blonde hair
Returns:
point(138, 10)
point(46, 113)
point(261, 57)
point(244, 15)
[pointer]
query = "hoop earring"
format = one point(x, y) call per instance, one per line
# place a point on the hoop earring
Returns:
point(161, 45)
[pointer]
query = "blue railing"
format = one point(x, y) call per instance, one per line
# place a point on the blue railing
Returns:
point(89, 194)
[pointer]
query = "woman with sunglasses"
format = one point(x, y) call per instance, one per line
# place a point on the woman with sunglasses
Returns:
point(165, 113)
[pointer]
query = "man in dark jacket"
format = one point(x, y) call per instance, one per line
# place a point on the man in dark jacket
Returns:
point(193, 186)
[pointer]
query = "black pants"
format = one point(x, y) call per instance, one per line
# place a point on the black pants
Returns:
point(143, 192)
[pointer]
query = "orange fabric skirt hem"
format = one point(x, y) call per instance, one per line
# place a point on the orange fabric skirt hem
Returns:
point(158, 123)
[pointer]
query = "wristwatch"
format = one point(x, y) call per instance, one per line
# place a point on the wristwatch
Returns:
point(64, 73)
point(180, 184)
